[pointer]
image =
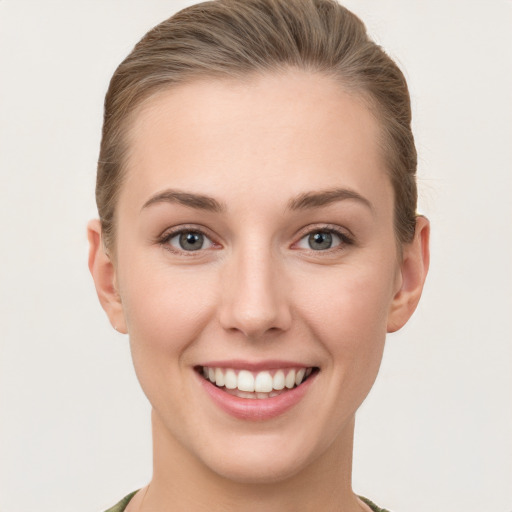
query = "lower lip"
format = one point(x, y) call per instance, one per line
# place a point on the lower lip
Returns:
point(256, 409)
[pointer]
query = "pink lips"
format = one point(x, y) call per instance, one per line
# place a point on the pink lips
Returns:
point(239, 364)
point(255, 409)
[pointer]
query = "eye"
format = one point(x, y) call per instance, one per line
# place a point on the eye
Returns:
point(188, 240)
point(322, 240)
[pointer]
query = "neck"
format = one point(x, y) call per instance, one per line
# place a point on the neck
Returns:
point(182, 482)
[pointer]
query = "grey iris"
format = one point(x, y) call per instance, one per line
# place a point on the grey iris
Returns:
point(191, 241)
point(320, 240)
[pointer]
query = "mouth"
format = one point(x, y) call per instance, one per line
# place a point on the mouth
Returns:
point(260, 385)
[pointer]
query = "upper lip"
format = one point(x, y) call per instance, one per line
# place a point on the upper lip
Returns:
point(255, 366)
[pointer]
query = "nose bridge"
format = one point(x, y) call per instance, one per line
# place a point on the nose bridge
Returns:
point(254, 297)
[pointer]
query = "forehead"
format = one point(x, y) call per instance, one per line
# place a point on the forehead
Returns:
point(286, 133)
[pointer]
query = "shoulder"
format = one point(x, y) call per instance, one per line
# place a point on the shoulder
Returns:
point(372, 505)
point(122, 504)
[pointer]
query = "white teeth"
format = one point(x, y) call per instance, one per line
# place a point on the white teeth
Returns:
point(230, 379)
point(263, 382)
point(245, 381)
point(278, 380)
point(246, 394)
point(289, 381)
point(261, 385)
point(219, 377)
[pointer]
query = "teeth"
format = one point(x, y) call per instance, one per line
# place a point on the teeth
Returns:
point(278, 380)
point(300, 376)
point(219, 377)
point(289, 380)
point(263, 384)
point(245, 381)
point(246, 394)
point(230, 380)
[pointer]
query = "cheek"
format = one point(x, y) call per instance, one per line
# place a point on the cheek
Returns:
point(347, 311)
point(166, 311)
point(165, 308)
point(350, 300)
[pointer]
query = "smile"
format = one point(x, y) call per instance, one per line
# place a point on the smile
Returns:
point(260, 385)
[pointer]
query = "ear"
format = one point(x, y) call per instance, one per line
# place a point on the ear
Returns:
point(104, 275)
point(413, 271)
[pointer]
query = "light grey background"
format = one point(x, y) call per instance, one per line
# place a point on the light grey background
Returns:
point(435, 434)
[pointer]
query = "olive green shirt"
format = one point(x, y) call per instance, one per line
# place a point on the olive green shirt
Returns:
point(124, 503)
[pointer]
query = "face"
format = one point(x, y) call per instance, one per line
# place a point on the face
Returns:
point(255, 248)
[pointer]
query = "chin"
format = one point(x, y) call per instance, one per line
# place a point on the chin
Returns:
point(258, 470)
point(263, 458)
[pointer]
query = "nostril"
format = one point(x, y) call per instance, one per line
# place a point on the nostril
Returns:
point(256, 324)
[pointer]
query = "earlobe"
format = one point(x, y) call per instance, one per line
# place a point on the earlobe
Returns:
point(103, 273)
point(414, 268)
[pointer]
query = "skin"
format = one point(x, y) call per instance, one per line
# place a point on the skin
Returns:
point(257, 291)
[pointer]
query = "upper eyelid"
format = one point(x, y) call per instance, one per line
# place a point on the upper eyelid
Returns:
point(334, 228)
point(173, 231)
point(170, 232)
point(345, 235)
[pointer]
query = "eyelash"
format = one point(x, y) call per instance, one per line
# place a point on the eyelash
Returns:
point(345, 239)
point(169, 235)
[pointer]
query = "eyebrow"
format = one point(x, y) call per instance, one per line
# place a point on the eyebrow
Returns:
point(303, 201)
point(197, 201)
point(325, 197)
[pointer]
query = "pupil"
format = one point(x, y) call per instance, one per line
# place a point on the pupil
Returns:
point(320, 241)
point(191, 241)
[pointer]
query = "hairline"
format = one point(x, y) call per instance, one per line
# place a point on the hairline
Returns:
point(354, 88)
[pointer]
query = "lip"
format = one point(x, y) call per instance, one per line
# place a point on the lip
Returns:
point(239, 364)
point(256, 409)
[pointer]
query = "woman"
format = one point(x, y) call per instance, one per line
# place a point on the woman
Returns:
point(257, 239)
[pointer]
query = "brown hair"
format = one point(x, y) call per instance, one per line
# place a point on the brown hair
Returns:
point(236, 38)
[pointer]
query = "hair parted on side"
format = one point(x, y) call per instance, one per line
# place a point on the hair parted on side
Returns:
point(238, 38)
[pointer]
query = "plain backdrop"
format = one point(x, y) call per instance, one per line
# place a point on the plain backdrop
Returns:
point(435, 434)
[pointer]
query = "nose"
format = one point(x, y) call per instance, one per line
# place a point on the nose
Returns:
point(254, 295)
